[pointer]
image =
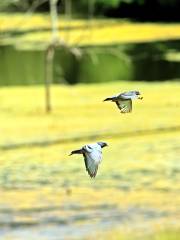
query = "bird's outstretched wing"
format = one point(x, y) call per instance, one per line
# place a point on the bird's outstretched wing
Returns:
point(125, 106)
point(91, 167)
point(91, 160)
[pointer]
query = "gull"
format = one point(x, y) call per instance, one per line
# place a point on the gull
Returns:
point(92, 154)
point(124, 100)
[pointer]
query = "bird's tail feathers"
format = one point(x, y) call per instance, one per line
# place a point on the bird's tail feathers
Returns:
point(79, 151)
point(108, 99)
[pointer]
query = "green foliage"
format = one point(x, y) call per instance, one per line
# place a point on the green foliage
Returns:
point(20, 5)
point(168, 2)
point(5, 3)
point(112, 3)
point(80, 6)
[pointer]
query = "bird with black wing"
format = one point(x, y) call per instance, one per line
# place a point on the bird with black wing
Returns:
point(124, 100)
point(92, 154)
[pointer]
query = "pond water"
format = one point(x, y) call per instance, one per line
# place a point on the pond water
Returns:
point(140, 61)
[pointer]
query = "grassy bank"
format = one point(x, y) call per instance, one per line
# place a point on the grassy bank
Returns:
point(34, 28)
point(156, 235)
point(79, 111)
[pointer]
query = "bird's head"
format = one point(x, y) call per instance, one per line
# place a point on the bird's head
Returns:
point(102, 144)
point(138, 94)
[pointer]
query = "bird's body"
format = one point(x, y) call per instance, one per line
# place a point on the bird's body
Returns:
point(92, 154)
point(124, 100)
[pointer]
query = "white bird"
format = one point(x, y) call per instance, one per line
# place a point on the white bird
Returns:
point(124, 100)
point(92, 154)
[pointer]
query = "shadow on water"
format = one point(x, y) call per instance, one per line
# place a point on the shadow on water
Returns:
point(150, 62)
point(137, 61)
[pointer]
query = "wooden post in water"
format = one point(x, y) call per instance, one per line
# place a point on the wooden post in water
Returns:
point(91, 4)
point(54, 20)
point(68, 11)
point(49, 57)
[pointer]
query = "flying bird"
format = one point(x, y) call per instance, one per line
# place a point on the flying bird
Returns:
point(92, 154)
point(124, 100)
